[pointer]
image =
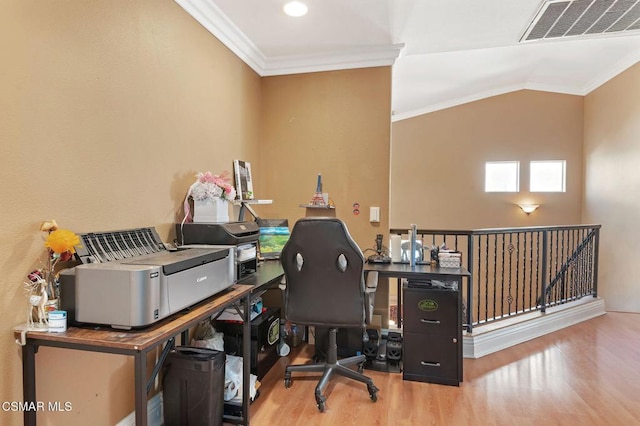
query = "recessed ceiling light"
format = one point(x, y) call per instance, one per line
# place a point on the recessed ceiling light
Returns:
point(295, 8)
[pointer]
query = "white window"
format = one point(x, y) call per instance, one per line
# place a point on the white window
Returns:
point(547, 176)
point(502, 176)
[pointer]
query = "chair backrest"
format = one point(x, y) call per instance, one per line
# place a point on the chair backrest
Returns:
point(323, 267)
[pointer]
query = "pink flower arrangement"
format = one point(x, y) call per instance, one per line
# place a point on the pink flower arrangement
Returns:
point(208, 187)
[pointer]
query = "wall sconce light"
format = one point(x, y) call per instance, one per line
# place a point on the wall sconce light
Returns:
point(528, 208)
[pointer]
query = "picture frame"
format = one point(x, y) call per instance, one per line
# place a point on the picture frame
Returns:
point(244, 180)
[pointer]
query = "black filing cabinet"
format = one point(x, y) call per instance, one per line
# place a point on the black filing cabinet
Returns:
point(432, 333)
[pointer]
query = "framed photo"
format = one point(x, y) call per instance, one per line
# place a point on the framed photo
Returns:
point(244, 183)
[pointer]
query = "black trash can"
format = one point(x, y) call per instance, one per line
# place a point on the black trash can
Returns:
point(193, 387)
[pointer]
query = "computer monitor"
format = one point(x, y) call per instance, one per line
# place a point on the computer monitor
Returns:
point(274, 234)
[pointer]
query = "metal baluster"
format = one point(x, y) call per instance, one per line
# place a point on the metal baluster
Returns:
point(596, 249)
point(509, 294)
point(469, 261)
point(486, 278)
point(543, 292)
point(555, 265)
point(517, 251)
point(502, 269)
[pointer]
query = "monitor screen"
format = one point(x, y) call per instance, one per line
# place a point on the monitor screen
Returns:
point(274, 234)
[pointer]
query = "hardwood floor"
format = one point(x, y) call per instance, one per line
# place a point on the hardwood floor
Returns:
point(587, 374)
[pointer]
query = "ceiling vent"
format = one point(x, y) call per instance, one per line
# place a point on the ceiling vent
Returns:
point(573, 18)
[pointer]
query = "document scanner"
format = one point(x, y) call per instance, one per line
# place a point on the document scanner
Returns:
point(129, 279)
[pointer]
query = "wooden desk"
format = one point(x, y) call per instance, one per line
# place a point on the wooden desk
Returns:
point(138, 343)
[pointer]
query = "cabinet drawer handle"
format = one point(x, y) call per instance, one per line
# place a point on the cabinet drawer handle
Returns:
point(430, 364)
point(428, 321)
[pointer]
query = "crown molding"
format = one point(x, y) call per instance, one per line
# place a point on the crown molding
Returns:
point(365, 57)
point(565, 90)
point(218, 24)
point(562, 89)
point(612, 72)
point(455, 102)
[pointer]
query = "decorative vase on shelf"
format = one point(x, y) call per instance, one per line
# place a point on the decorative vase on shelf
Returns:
point(215, 210)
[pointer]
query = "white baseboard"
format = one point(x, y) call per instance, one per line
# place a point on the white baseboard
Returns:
point(495, 337)
point(154, 413)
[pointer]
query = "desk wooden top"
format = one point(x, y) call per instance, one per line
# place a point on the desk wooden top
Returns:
point(139, 339)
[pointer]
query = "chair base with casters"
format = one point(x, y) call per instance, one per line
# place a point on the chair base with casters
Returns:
point(333, 366)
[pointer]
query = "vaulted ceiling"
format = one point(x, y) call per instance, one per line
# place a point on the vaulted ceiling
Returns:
point(443, 52)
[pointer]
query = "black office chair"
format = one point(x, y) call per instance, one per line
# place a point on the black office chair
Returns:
point(325, 287)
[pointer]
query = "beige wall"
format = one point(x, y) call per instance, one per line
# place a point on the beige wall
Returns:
point(334, 123)
point(437, 162)
point(612, 182)
point(108, 109)
point(337, 124)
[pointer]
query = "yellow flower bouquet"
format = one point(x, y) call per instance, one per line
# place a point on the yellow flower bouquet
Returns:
point(42, 286)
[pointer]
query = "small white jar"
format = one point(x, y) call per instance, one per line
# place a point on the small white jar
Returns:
point(57, 321)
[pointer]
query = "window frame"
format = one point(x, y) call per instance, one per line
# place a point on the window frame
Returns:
point(487, 164)
point(563, 184)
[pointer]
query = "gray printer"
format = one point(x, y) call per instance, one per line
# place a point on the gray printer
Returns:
point(129, 279)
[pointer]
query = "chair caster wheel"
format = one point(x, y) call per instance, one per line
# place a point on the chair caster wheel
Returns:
point(373, 392)
point(320, 403)
point(287, 381)
point(361, 367)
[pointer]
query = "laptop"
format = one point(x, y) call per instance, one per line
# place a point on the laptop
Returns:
point(274, 234)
